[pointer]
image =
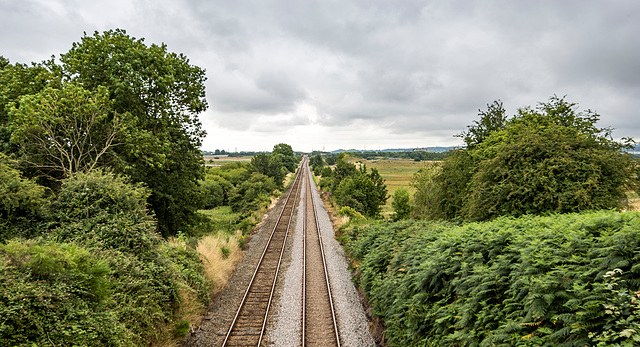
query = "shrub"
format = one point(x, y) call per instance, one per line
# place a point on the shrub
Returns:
point(248, 195)
point(18, 196)
point(400, 204)
point(551, 159)
point(84, 195)
point(525, 281)
point(57, 292)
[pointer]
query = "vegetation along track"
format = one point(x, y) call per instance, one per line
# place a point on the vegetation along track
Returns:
point(248, 326)
point(319, 327)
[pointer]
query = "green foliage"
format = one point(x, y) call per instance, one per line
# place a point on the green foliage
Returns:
point(317, 164)
point(232, 172)
point(19, 197)
point(215, 191)
point(70, 129)
point(552, 159)
point(250, 194)
point(351, 213)
point(16, 81)
point(269, 165)
point(164, 94)
point(526, 281)
point(492, 120)
point(366, 193)
point(622, 314)
point(222, 219)
point(85, 195)
point(181, 328)
point(287, 157)
point(107, 215)
point(56, 292)
point(401, 204)
point(441, 189)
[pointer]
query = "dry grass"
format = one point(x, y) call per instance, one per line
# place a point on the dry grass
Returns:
point(218, 269)
point(218, 266)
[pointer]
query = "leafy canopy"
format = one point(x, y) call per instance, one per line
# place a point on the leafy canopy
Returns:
point(548, 159)
point(65, 130)
point(164, 93)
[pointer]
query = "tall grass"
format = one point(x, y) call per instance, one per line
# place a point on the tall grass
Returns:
point(221, 253)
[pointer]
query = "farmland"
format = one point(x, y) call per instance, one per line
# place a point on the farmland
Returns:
point(396, 173)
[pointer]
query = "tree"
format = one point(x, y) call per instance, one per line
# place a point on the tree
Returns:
point(164, 93)
point(67, 130)
point(249, 194)
point(552, 159)
point(366, 193)
point(401, 204)
point(16, 81)
point(317, 164)
point(288, 157)
point(548, 159)
point(491, 120)
point(269, 165)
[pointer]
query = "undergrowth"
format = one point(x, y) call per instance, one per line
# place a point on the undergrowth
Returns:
point(525, 281)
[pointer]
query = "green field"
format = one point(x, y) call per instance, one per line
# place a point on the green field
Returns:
point(396, 173)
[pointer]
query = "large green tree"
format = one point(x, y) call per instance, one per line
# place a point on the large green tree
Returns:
point(288, 158)
point(269, 165)
point(65, 130)
point(364, 192)
point(17, 80)
point(548, 159)
point(164, 93)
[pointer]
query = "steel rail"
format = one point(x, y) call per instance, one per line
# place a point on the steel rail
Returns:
point(304, 267)
point(258, 266)
point(308, 190)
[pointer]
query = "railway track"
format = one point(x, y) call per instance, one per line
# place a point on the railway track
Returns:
point(248, 326)
point(319, 327)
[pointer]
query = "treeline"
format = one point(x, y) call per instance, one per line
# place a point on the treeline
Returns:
point(350, 186)
point(504, 247)
point(370, 155)
point(245, 186)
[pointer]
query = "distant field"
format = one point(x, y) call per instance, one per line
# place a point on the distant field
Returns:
point(396, 173)
point(212, 160)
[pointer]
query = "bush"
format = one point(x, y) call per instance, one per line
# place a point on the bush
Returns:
point(366, 193)
point(57, 292)
point(549, 160)
point(215, 192)
point(400, 204)
point(105, 215)
point(84, 195)
point(525, 281)
point(19, 197)
point(248, 195)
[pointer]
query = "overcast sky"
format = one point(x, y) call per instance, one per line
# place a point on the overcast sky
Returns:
point(325, 74)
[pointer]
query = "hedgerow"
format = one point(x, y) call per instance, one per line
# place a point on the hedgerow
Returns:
point(512, 281)
point(102, 276)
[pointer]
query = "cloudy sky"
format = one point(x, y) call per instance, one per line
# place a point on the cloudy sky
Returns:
point(369, 74)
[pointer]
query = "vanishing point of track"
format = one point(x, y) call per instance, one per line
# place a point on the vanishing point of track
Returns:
point(319, 327)
point(248, 326)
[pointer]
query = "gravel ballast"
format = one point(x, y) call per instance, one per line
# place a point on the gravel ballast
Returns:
point(284, 326)
point(286, 321)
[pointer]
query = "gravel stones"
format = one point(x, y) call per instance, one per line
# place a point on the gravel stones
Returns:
point(284, 326)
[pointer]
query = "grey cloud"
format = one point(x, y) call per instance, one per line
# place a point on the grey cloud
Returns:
point(411, 68)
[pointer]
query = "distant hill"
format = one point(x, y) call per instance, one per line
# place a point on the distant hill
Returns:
point(436, 149)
